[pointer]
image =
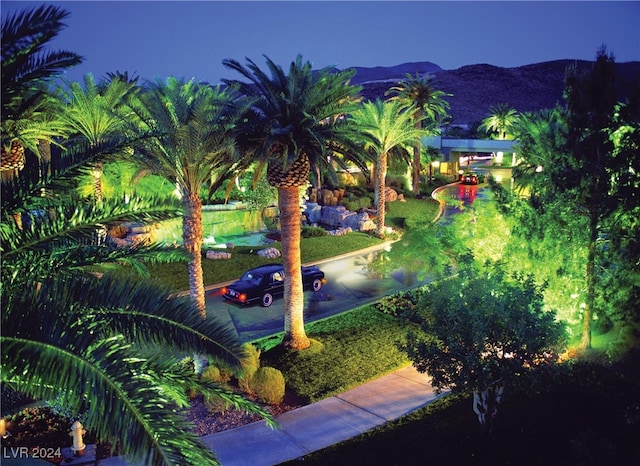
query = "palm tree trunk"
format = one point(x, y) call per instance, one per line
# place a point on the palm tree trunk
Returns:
point(416, 161)
point(381, 174)
point(96, 173)
point(294, 333)
point(192, 240)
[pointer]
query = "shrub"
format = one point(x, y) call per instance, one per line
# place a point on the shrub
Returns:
point(356, 203)
point(250, 364)
point(402, 305)
point(268, 385)
point(311, 232)
point(215, 374)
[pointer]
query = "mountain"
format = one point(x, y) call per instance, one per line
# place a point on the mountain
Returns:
point(477, 88)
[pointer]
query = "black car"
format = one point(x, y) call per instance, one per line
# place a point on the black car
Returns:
point(263, 283)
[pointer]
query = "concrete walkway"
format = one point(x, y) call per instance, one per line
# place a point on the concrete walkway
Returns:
point(319, 425)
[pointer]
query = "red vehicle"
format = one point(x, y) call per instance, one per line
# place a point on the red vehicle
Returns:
point(469, 178)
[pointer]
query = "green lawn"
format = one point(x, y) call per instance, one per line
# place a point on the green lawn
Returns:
point(176, 275)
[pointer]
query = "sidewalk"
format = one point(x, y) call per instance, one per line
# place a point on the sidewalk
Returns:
point(319, 425)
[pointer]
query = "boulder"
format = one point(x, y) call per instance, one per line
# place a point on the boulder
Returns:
point(215, 255)
point(334, 215)
point(390, 194)
point(339, 231)
point(313, 212)
point(269, 253)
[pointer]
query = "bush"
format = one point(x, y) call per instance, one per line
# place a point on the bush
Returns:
point(402, 305)
point(311, 232)
point(215, 374)
point(250, 364)
point(356, 203)
point(267, 384)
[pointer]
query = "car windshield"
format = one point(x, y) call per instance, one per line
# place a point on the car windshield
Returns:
point(252, 277)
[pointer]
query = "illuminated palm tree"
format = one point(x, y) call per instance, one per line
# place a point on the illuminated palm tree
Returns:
point(191, 142)
point(96, 113)
point(389, 129)
point(296, 121)
point(501, 120)
point(27, 68)
point(429, 109)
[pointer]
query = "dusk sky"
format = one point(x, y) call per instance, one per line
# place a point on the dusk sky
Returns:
point(191, 38)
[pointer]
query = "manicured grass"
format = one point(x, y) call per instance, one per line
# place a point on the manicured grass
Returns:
point(398, 212)
point(349, 350)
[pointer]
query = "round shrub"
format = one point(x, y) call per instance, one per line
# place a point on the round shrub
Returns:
point(267, 384)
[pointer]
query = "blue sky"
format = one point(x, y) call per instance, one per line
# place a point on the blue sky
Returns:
point(191, 38)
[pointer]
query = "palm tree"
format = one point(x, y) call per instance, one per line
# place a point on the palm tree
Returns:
point(95, 113)
point(296, 121)
point(26, 69)
point(389, 128)
point(428, 107)
point(501, 120)
point(191, 143)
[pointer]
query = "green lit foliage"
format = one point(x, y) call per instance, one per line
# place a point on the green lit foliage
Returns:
point(104, 347)
point(546, 244)
point(481, 331)
point(429, 109)
point(259, 195)
point(578, 183)
point(250, 364)
point(387, 131)
point(123, 179)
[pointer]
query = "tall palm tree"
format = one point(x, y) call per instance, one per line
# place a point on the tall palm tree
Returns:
point(296, 121)
point(501, 120)
point(429, 110)
point(191, 142)
point(27, 68)
point(389, 128)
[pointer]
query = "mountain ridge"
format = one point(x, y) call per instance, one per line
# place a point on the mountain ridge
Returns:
point(477, 88)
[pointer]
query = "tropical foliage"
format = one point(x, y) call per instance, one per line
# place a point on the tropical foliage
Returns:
point(93, 114)
point(577, 181)
point(27, 68)
point(102, 346)
point(500, 121)
point(188, 141)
